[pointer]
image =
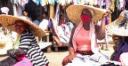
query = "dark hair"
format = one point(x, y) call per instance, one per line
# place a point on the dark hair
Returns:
point(126, 6)
point(0, 12)
point(45, 13)
point(21, 21)
point(86, 10)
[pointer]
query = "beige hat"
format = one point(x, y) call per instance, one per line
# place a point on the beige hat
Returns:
point(114, 27)
point(8, 22)
point(74, 12)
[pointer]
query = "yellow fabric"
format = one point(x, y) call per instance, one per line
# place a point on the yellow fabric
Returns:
point(16, 44)
point(112, 5)
point(46, 1)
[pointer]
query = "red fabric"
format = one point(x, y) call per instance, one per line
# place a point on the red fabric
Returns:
point(85, 18)
point(47, 65)
point(19, 58)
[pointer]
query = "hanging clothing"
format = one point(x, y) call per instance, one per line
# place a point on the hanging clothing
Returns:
point(7, 3)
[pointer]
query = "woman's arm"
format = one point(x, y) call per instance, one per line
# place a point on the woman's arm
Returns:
point(71, 54)
point(71, 49)
point(100, 30)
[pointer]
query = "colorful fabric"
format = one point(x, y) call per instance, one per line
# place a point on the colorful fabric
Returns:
point(82, 2)
point(38, 2)
point(24, 62)
point(76, 2)
point(122, 47)
point(51, 2)
point(122, 4)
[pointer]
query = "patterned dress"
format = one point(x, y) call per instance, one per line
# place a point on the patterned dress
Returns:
point(33, 52)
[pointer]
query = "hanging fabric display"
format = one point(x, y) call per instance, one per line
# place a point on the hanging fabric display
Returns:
point(76, 2)
point(122, 4)
point(43, 3)
point(62, 2)
point(38, 2)
point(51, 2)
point(7, 3)
point(94, 2)
point(107, 4)
point(82, 2)
point(68, 1)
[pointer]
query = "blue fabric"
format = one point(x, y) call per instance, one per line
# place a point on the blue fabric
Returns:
point(36, 22)
point(50, 25)
point(106, 21)
point(124, 20)
point(122, 47)
point(38, 2)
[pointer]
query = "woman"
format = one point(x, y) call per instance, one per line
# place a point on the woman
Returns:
point(119, 30)
point(28, 46)
point(83, 48)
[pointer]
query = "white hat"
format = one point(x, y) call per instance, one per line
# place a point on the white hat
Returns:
point(5, 10)
point(114, 27)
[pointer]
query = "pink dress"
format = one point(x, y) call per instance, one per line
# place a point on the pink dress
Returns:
point(83, 40)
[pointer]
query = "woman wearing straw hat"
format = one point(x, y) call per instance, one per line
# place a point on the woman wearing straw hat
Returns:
point(83, 49)
point(28, 47)
point(119, 28)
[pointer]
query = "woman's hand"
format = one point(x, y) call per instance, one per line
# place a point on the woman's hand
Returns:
point(106, 14)
point(68, 59)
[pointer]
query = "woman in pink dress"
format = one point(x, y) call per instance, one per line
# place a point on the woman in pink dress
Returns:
point(83, 49)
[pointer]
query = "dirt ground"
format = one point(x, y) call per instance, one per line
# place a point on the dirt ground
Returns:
point(55, 58)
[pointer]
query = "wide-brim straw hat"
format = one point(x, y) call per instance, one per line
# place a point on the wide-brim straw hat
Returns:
point(74, 12)
point(8, 21)
point(114, 27)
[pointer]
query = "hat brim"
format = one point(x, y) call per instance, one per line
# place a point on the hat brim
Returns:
point(74, 12)
point(114, 29)
point(8, 21)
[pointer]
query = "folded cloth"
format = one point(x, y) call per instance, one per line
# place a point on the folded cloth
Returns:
point(24, 62)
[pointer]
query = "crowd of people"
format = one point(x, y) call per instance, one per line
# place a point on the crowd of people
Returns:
point(86, 26)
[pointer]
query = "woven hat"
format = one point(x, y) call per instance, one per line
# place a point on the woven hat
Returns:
point(114, 27)
point(8, 21)
point(74, 12)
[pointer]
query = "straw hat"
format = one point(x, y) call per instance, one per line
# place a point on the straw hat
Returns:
point(114, 27)
point(8, 22)
point(74, 12)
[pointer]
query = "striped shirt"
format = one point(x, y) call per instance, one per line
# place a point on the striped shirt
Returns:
point(33, 52)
